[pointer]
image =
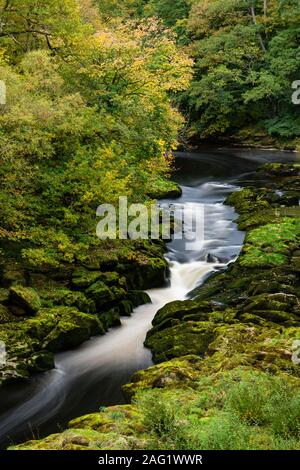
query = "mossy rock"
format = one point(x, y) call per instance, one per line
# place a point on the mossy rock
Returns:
point(147, 274)
point(67, 297)
point(271, 244)
point(247, 200)
point(279, 170)
point(265, 348)
point(274, 301)
point(124, 419)
point(64, 328)
point(176, 373)
point(115, 428)
point(104, 295)
point(84, 439)
point(24, 300)
point(29, 343)
point(125, 308)
point(178, 309)
point(164, 189)
point(40, 362)
point(277, 316)
point(181, 340)
point(83, 278)
point(111, 318)
point(138, 297)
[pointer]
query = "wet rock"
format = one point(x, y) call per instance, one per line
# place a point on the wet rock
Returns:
point(41, 362)
point(110, 318)
point(178, 309)
point(138, 297)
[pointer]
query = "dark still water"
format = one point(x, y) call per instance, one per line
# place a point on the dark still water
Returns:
point(92, 375)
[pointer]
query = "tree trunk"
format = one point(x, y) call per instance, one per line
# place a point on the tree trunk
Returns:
point(252, 10)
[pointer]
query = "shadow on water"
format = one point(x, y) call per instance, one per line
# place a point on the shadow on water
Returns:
point(92, 375)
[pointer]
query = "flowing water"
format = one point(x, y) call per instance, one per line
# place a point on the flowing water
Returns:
point(91, 376)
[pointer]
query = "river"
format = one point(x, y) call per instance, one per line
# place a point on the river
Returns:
point(92, 375)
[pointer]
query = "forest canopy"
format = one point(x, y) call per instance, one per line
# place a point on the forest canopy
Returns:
point(246, 56)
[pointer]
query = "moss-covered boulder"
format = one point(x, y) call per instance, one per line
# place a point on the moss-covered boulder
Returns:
point(164, 189)
point(110, 318)
point(105, 296)
point(82, 278)
point(31, 342)
point(114, 428)
point(24, 300)
point(271, 244)
point(181, 340)
point(148, 274)
point(176, 373)
point(54, 297)
point(63, 328)
point(138, 297)
point(178, 309)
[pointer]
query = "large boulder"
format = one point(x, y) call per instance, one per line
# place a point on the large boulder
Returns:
point(24, 300)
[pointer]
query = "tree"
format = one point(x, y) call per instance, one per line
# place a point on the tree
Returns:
point(246, 55)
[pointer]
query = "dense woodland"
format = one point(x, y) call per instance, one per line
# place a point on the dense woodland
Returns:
point(246, 55)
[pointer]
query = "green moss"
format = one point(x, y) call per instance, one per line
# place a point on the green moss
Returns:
point(164, 189)
point(103, 295)
point(83, 278)
point(110, 318)
point(63, 328)
point(118, 427)
point(125, 308)
point(54, 297)
point(24, 300)
point(30, 342)
point(276, 301)
point(178, 309)
point(181, 340)
point(270, 244)
point(176, 373)
point(138, 297)
point(248, 200)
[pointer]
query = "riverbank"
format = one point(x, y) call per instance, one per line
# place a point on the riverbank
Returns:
point(219, 354)
point(249, 138)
